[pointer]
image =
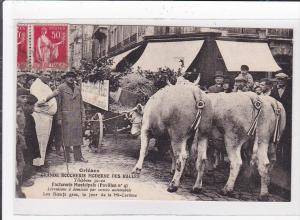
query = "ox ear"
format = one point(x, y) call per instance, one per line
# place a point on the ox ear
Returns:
point(196, 82)
point(140, 109)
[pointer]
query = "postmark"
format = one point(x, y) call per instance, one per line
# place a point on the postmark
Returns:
point(50, 47)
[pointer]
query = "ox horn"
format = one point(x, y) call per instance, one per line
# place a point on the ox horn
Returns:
point(196, 82)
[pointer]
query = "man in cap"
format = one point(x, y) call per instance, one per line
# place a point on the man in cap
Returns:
point(71, 115)
point(218, 87)
point(266, 86)
point(43, 115)
point(21, 79)
point(20, 141)
point(240, 84)
point(27, 145)
point(247, 76)
point(283, 93)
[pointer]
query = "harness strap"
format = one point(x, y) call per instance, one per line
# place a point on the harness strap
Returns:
point(276, 136)
point(257, 105)
point(200, 106)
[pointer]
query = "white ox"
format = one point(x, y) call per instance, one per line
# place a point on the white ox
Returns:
point(173, 109)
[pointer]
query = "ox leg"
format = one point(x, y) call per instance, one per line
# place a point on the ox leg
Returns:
point(200, 164)
point(234, 155)
point(173, 162)
point(180, 164)
point(143, 151)
point(263, 169)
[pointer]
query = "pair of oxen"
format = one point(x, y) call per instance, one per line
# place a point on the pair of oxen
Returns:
point(189, 116)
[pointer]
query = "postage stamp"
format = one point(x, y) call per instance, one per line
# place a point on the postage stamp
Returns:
point(50, 47)
point(22, 44)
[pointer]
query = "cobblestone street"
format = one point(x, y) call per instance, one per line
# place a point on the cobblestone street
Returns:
point(120, 155)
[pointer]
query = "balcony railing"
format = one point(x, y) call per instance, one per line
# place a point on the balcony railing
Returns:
point(128, 41)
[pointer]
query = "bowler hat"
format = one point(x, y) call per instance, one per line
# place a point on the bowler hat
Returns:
point(281, 75)
point(219, 74)
point(69, 74)
point(245, 67)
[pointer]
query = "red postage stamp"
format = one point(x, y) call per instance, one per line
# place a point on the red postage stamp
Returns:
point(22, 47)
point(50, 47)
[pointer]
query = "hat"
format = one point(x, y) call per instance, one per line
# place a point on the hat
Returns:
point(31, 76)
point(281, 75)
point(219, 74)
point(31, 99)
point(240, 78)
point(69, 73)
point(245, 67)
point(19, 74)
point(22, 91)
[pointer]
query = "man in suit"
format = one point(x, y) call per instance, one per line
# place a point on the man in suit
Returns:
point(218, 87)
point(70, 115)
point(283, 93)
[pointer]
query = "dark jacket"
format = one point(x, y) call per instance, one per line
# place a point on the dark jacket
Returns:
point(31, 137)
point(71, 112)
point(215, 89)
point(285, 99)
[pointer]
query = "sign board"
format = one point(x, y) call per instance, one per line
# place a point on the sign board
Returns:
point(96, 94)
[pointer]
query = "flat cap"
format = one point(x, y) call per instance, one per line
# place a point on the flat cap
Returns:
point(31, 76)
point(281, 75)
point(19, 74)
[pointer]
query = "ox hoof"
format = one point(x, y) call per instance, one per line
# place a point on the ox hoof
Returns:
point(196, 190)
point(225, 192)
point(136, 170)
point(172, 188)
point(263, 198)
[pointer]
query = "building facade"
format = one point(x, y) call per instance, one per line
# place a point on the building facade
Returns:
point(98, 41)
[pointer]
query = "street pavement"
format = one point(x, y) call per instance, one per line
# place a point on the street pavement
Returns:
point(119, 155)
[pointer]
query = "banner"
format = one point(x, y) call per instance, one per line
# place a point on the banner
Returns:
point(96, 94)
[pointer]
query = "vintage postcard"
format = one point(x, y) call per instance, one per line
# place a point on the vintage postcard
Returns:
point(156, 113)
point(114, 112)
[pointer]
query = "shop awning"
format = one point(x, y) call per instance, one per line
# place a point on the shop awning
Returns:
point(168, 54)
point(256, 55)
point(117, 59)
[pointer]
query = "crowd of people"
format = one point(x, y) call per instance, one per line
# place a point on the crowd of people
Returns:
point(278, 88)
point(50, 113)
point(49, 110)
